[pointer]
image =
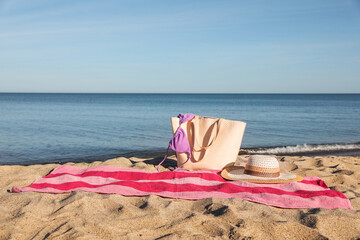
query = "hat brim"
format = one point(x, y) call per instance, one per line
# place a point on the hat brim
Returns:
point(236, 173)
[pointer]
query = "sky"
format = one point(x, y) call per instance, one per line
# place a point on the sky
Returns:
point(189, 46)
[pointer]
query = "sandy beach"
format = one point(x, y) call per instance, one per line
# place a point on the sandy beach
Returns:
point(86, 215)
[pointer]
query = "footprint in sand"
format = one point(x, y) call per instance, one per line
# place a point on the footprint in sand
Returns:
point(309, 218)
point(142, 204)
point(216, 209)
point(334, 166)
point(346, 172)
point(120, 208)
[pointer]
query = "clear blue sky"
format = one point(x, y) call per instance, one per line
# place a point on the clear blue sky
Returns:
point(180, 46)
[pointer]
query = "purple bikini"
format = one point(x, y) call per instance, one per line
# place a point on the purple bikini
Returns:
point(180, 142)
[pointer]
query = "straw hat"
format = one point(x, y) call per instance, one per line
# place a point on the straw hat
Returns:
point(258, 169)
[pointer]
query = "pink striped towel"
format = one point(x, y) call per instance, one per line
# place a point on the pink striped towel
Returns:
point(312, 192)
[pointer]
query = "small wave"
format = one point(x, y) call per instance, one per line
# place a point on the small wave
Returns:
point(306, 148)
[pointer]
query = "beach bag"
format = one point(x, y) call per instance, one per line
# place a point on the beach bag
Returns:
point(205, 142)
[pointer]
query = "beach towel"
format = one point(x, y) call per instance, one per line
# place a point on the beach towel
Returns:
point(311, 192)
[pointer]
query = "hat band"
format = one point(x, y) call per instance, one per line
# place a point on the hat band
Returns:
point(262, 174)
point(262, 169)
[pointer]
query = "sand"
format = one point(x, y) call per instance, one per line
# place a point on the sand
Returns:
point(85, 215)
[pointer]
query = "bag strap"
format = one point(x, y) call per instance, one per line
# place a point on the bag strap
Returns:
point(197, 130)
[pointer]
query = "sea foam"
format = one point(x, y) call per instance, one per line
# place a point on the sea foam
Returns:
point(306, 148)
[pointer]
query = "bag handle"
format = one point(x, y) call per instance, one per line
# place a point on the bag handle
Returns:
point(197, 129)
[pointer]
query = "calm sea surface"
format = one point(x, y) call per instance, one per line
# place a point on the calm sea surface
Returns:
point(37, 128)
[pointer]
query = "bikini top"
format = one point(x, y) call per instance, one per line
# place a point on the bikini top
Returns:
point(179, 142)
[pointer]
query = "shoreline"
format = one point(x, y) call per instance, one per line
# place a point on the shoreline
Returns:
point(87, 215)
point(161, 154)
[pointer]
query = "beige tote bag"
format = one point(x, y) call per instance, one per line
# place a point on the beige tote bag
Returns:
point(214, 142)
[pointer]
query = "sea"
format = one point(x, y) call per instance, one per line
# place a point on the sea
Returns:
point(38, 128)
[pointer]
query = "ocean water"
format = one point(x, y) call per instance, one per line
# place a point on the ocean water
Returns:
point(39, 128)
